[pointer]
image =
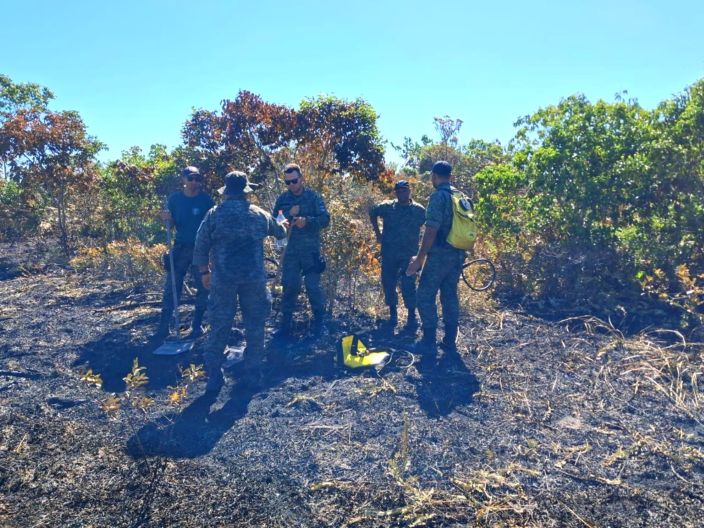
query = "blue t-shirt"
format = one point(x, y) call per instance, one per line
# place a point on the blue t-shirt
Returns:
point(188, 213)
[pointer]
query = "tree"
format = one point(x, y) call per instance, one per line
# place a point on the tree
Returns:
point(52, 153)
point(248, 133)
point(244, 136)
point(14, 96)
point(132, 190)
point(340, 136)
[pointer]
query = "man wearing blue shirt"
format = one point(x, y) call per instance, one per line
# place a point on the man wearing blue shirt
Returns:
point(185, 212)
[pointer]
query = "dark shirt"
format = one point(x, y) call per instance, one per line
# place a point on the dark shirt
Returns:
point(313, 209)
point(401, 227)
point(187, 213)
point(232, 236)
point(438, 214)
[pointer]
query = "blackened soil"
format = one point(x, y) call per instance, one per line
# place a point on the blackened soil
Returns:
point(530, 424)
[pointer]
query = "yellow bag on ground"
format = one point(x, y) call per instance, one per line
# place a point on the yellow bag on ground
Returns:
point(355, 354)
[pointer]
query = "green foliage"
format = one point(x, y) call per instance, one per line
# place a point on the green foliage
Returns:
point(599, 196)
point(132, 192)
point(16, 215)
point(16, 96)
point(466, 160)
point(343, 134)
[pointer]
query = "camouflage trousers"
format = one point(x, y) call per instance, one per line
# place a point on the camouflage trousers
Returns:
point(441, 272)
point(393, 269)
point(294, 266)
point(255, 301)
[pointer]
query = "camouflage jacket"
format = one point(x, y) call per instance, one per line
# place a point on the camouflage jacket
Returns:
point(312, 207)
point(401, 228)
point(231, 238)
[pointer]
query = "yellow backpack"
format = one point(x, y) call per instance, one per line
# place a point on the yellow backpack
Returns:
point(463, 232)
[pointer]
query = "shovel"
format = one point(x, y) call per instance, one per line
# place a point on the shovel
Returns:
point(173, 344)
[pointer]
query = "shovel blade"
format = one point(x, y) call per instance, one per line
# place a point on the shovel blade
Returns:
point(173, 348)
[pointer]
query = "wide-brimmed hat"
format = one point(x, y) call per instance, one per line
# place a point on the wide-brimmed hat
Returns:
point(236, 182)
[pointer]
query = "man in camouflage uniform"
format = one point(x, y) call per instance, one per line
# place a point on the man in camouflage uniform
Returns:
point(402, 220)
point(442, 269)
point(306, 213)
point(185, 211)
point(231, 238)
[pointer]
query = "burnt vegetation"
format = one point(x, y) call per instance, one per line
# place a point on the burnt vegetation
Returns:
point(574, 400)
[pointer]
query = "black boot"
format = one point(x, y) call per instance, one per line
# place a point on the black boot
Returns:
point(215, 379)
point(162, 330)
point(449, 340)
point(411, 323)
point(284, 329)
point(426, 347)
point(393, 318)
point(319, 328)
point(196, 325)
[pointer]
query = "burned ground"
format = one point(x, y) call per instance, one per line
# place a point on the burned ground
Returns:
point(534, 423)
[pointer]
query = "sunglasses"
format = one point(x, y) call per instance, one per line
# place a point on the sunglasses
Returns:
point(290, 170)
point(194, 178)
point(292, 181)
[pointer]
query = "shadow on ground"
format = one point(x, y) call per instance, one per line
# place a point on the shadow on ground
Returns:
point(112, 356)
point(445, 386)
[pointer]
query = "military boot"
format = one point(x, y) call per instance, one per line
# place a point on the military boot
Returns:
point(162, 330)
point(215, 379)
point(196, 325)
point(319, 328)
point(449, 340)
point(426, 347)
point(284, 329)
point(411, 323)
point(391, 323)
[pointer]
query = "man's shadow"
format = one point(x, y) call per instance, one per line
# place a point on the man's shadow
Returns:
point(196, 429)
point(112, 357)
point(445, 385)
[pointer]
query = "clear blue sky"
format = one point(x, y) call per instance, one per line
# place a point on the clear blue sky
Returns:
point(134, 70)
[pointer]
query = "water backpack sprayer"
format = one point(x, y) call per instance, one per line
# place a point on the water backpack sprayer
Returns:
point(354, 354)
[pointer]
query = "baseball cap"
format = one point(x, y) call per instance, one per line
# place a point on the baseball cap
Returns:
point(442, 168)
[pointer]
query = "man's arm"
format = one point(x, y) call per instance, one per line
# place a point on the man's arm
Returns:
point(433, 220)
point(374, 219)
point(274, 228)
point(416, 263)
point(320, 219)
point(204, 242)
point(277, 206)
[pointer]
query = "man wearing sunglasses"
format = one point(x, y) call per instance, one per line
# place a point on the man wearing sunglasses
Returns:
point(306, 213)
point(185, 211)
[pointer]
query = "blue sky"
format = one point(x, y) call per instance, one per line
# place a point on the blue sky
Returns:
point(134, 70)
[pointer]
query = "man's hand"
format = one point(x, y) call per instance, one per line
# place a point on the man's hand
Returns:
point(414, 265)
point(166, 216)
point(299, 221)
point(205, 279)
